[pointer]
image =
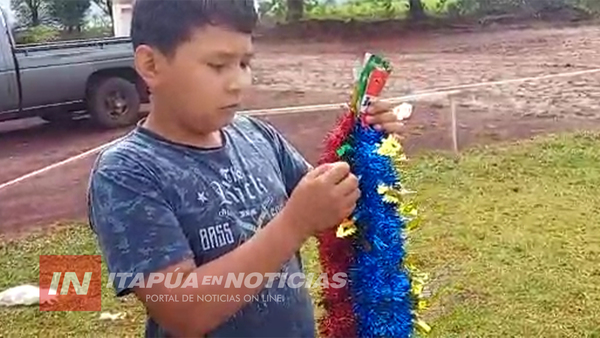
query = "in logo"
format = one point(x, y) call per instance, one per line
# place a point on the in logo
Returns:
point(70, 283)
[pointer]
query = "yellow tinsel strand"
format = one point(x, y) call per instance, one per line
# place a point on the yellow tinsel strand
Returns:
point(392, 148)
point(418, 281)
point(422, 326)
point(346, 229)
point(390, 195)
point(393, 194)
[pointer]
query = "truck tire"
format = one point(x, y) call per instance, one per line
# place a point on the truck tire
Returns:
point(57, 118)
point(114, 102)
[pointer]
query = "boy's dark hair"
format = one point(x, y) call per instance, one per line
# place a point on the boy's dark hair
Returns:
point(165, 24)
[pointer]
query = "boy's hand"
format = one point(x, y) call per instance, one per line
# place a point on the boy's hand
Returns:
point(384, 116)
point(322, 199)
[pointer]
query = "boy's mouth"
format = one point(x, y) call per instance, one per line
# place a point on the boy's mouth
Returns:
point(231, 107)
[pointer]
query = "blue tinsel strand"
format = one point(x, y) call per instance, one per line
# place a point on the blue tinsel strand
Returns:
point(380, 287)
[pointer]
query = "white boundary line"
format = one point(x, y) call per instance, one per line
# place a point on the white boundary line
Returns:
point(334, 106)
point(444, 91)
point(58, 164)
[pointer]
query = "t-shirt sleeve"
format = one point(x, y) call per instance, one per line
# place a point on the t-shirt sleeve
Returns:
point(293, 165)
point(137, 230)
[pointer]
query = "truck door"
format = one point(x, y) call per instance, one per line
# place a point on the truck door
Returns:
point(9, 87)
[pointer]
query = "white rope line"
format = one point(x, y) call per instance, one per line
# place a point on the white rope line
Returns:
point(58, 164)
point(444, 91)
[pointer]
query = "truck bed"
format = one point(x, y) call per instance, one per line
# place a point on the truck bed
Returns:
point(72, 55)
point(49, 46)
point(73, 52)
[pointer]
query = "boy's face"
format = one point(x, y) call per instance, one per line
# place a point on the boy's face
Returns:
point(203, 82)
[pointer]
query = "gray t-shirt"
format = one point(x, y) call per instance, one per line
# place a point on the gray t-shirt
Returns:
point(153, 203)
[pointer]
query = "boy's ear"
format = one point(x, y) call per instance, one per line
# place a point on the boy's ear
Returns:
point(148, 64)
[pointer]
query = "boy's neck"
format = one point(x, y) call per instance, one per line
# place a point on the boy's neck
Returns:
point(169, 129)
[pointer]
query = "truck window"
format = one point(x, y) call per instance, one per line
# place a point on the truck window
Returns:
point(4, 25)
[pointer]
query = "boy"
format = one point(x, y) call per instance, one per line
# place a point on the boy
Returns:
point(197, 190)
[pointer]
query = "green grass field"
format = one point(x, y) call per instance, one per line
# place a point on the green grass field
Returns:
point(510, 236)
point(369, 9)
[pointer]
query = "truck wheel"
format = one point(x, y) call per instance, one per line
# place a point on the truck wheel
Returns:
point(114, 102)
point(57, 118)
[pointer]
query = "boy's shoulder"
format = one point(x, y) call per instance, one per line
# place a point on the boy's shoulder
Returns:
point(129, 150)
point(251, 124)
point(132, 158)
point(140, 150)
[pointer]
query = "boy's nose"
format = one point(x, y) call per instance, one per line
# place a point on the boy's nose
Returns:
point(241, 81)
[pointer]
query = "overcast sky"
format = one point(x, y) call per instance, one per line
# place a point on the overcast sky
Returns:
point(5, 4)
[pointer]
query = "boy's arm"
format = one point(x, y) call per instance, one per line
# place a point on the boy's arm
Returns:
point(139, 234)
point(292, 164)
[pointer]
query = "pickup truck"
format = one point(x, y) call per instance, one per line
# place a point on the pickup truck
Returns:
point(59, 81)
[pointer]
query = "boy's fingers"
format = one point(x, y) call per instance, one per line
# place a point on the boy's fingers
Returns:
point(337, 172)
point(323, 168)
point(382, 118)
point(391, 128)
point(378, 107)
point(348, 185)
point(320, 170)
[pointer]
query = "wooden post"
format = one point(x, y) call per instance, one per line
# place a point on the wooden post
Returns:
point(454, 125)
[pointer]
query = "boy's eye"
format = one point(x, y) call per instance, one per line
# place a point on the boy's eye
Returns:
point(245, 64)
point(217, 67)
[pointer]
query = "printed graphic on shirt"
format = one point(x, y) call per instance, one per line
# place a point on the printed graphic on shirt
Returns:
point(216, 236)
point(237, 187)
point(245, 201)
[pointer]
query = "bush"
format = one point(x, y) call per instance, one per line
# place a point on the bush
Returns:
point(474, 9)
point(37, 34)
point(359, 9)
point(592, 6)
point(531, 8)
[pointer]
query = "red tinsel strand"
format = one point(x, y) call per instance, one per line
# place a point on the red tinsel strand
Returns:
point(336, 138)
point(338, 321)
point(336, 253)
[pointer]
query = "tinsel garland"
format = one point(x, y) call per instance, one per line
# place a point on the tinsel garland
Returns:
point(383, 295)
point(335, 253)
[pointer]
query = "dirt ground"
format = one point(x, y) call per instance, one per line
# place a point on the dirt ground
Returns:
point(294, 73)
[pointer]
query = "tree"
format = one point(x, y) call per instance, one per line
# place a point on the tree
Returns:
point(295, 10)
point(106, 6)
point(69, 13)
point(29, 12)
point(416, 9)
